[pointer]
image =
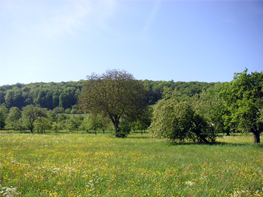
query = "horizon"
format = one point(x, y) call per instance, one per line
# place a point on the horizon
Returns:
point(158, 40)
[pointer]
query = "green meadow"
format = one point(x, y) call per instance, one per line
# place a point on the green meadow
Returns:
point(83, 164)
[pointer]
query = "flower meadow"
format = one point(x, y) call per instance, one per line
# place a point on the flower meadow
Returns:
point(101, 165)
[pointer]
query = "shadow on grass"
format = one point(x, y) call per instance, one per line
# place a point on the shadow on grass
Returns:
point(209, 144)
point(139, 137)
point(260, 145)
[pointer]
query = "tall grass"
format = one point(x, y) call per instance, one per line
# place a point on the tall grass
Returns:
point(89, 165)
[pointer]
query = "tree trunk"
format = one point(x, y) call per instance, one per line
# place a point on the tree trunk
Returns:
point(202, 137)
point(256, 137)
point(115, 120)
point(116, 130)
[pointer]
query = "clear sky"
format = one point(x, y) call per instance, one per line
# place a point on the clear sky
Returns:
point(66, 40)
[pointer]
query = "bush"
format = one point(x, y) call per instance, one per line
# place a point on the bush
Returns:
point(175, 119)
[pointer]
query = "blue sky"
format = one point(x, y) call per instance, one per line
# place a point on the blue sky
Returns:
point(66, 40)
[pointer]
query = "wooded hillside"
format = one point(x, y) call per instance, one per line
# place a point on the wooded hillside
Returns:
point(65, 94)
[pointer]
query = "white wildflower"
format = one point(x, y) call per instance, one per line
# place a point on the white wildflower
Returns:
point(189, 183)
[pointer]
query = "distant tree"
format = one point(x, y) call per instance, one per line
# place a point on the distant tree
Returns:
point(58, 110)
point(74, 111)
point(30, 114)
point(52, 116)
point(55, 100)
point(68, 111)
point(2, 97)
point(20, 125)
point(92, 122)
point(9, 98)
point(3, 116)
point(212, 108)
point(115, 93)
point(65, 100)
point(14, 114)
point(4, 110)
point(72, 123)
point(56, 126)
point(62, 118)
point(244, 101)
point(105, 121)
point(2, 120)
point(13, 118)
point(41, 124)
point(144, 120)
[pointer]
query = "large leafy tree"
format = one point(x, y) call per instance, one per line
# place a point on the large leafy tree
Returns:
point(115, 93)
point(244, 99)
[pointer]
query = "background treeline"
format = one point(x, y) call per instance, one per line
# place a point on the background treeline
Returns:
point(66, 94)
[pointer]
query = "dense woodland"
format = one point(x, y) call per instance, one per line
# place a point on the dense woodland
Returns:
point(66, 94)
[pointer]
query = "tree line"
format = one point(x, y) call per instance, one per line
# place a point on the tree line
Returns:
point(180, 114)
point(66, 94)
point(44, 95)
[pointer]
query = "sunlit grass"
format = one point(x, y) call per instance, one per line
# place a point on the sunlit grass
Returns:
point(100, 165)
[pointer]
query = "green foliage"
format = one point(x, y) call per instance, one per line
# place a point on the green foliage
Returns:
point(13, 119)
point(30, 114)
point(56, 126)
point(156, 88)
point(124, 128)
point(52, 116)
point(68, 111)
point(2, 120)
point(66, 94)
point(58, 110)
point(143, 121)
point(46, 95)
point(41, 124)
point(95, 122)
point(14, 114)
point(73, 122)
point(4, 111)
point(212, 108)
point(115, 93)
point(174, 118)
point(244, 101)
point(3, 116)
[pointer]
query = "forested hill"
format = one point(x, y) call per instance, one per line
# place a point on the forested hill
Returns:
point(65, 94)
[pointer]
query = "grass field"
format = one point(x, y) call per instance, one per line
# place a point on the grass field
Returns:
point(100, 165)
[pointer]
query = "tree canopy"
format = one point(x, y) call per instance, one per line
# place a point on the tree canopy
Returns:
point(115, 93)
point(65, 94)
point(175, 118)
point(244, 100)
point(30, 114)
